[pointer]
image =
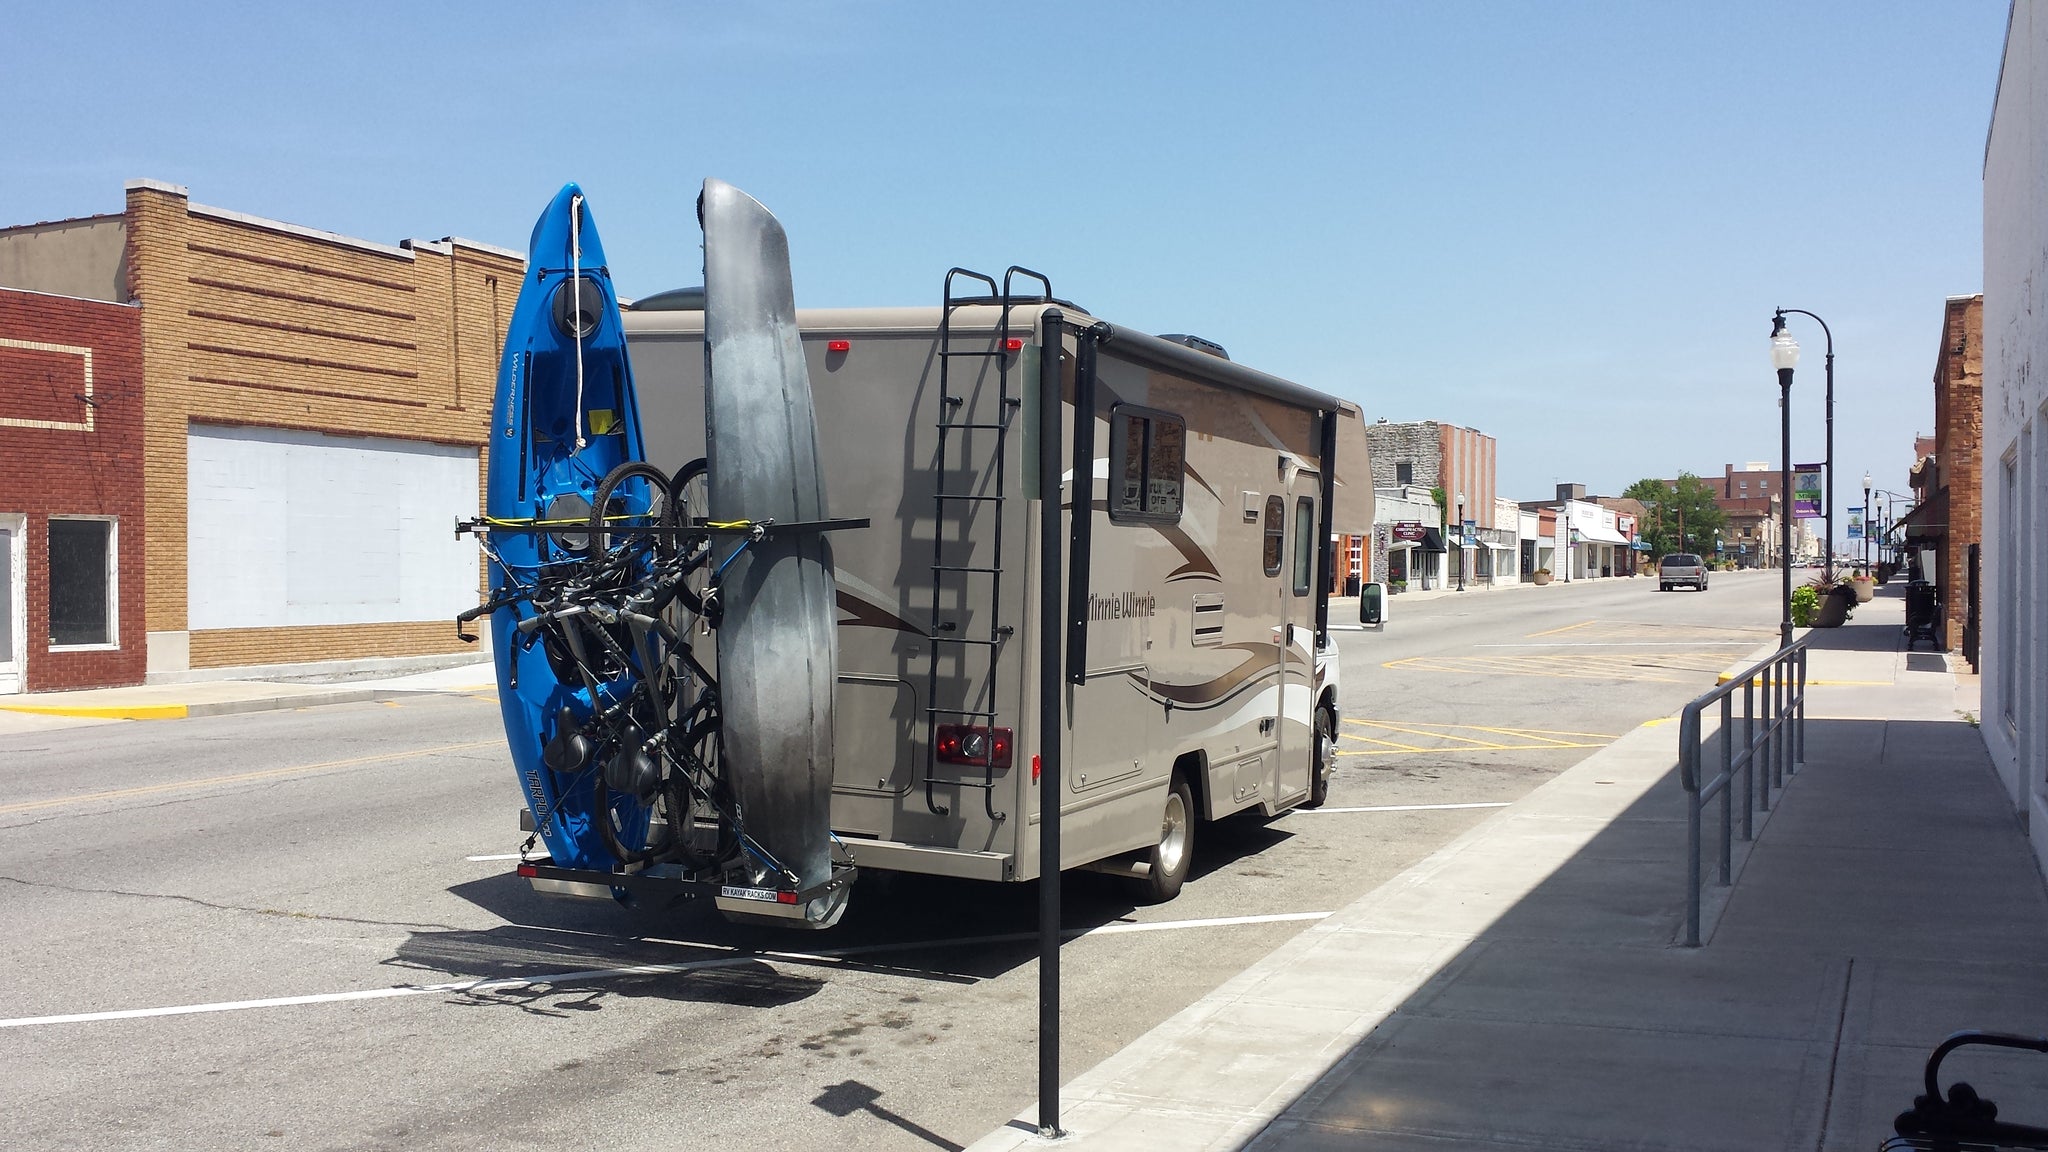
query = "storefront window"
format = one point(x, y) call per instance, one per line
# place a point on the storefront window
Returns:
point(81, 582)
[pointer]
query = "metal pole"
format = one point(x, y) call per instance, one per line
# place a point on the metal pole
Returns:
point(1830, 480)
point(1867, 518)
point(1785, 504)
point(1461, 545)
point(1051, 726)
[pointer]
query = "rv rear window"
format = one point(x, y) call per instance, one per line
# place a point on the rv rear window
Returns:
point(1304, 544)
point(1147, 460)
point(1276, 534)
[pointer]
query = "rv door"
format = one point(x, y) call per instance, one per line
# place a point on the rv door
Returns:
point(1296, 759)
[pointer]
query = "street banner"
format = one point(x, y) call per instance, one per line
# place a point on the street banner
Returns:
point(1806, 491)
point(1855, 523)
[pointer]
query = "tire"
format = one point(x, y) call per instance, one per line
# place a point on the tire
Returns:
point(1663, 587)
point(1172, 858)
point(1325, 759)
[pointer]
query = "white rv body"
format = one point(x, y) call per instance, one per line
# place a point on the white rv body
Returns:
point(1202, 654)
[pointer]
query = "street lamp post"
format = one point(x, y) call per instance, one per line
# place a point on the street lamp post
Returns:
point(1461, 541)
point(1866, 522)
point(1829, 473)
point(1785, 357)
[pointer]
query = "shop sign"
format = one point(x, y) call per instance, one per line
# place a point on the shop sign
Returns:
point(1409, 530)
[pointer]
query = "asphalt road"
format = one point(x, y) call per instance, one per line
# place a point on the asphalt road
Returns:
point(266, 904)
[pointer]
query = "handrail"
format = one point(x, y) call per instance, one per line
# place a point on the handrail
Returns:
point(1778, 732)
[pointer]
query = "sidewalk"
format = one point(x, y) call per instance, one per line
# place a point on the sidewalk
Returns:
point(221, 697)
point(1523, 987)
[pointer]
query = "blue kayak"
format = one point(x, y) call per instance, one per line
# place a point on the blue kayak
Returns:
point(563, 416)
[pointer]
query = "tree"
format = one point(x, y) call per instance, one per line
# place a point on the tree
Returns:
point(1686, 501)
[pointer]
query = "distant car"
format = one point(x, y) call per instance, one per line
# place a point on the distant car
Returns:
point(1681, 568)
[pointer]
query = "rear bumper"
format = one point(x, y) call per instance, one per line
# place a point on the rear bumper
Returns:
point(896, 856)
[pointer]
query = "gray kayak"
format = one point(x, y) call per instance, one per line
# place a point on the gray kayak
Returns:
point(778, 645)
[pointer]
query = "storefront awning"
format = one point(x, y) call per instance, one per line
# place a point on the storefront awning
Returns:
point(1433, 541)
point(1929, 521)
point(1594, 532)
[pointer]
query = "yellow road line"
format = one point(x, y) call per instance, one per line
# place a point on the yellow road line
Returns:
point(1555, 631)
point(1438, 735)
point(1388, 743)
point(1486, 728)
point(237, 778)
point(1462, 751)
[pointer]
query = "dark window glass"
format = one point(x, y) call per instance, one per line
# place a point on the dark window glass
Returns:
point(7, 546)
point(1304, 544)
point(1404, 474)
point(1147, 464)
point(79, 596)
point(1276, 534)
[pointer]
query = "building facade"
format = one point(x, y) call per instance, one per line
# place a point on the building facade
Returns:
point(314, 413)
point(1942, 531)
point(2015, 423)
point(72, 527)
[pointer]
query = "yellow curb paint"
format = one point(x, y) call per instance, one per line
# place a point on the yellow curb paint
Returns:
point(102, 711)
point(237, 778)
point(1658, 720)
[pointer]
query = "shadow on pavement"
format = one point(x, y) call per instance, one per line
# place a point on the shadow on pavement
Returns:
point(1890, 901)
point(955, 931)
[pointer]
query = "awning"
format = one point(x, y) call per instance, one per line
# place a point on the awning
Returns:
point(1594, 532)
point(1928, 521)
point(1433, 541)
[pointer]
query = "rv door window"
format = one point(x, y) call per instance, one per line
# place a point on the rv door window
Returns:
point(1276, 534)
point(1147, 460)
point(1304, 544)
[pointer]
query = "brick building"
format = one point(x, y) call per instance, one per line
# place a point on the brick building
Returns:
point(1429, 454)
point(1945, 521)
point(71, 512)
point(314, 413)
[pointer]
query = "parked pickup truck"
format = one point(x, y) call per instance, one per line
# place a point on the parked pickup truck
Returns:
point(1681, 568)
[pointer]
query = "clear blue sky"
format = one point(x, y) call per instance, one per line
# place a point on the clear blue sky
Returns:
point(1565, 224)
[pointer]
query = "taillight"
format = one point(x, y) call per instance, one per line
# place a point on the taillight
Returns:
point(838, 345)
point(973, 744)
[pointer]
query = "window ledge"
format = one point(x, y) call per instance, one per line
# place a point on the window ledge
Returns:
point(85, 648)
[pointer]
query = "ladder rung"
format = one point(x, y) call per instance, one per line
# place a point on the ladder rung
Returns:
point(986, 715)
point(983, 784)
point(989, 427)
point(990, 352)
point(963, 640)
point(963, 496)
point(963, 568)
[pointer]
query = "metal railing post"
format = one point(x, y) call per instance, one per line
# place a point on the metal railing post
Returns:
point(1770, 742)
point(1749, 760)
point(1799, 760)
point(1727, 789)
point(1689, 778)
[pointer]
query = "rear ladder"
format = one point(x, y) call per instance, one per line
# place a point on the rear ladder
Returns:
point(960, 507)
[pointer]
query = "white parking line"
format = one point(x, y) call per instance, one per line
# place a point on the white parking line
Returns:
point(499, 856)
point(590, 974)
point(1693, 644)
point(1404, 808)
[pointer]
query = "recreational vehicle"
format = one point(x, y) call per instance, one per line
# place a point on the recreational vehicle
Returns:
point(1200, 681)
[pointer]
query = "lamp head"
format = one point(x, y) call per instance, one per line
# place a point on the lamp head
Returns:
point(1784, 349)
point(1866, 482)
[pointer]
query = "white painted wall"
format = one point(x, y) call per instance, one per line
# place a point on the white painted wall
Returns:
point(293, 528)
point(2015, 530)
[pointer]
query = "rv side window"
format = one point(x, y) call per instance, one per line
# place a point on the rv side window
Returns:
point(1276, 533)
point(1304, 544)
point(1147, 459)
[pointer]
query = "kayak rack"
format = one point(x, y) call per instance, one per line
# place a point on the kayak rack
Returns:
point(759, 529)
point(673, 882)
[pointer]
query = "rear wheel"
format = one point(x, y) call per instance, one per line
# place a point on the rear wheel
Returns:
point(1171, 858)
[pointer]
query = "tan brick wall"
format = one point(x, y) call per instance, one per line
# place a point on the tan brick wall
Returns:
point(255, 325)
point(234, 647)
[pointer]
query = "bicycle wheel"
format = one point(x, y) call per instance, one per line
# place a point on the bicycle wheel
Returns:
point(631, 499)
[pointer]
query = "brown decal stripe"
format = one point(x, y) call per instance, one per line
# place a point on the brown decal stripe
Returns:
point(1212, 693)
point(1196, 564)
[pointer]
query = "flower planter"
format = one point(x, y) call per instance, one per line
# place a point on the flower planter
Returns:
point(1865, 588)
point(1834, 608)
point(1539, 577)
